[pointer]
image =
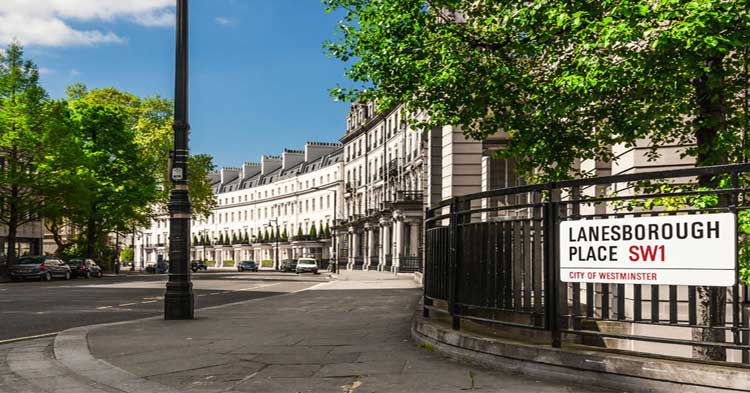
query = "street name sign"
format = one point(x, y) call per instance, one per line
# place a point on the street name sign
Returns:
point(695, 249)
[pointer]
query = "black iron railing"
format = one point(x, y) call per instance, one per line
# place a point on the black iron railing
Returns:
point(359, 263)
point(410, 264)
point(409, 196)
point(493, 258)
point(374, 262)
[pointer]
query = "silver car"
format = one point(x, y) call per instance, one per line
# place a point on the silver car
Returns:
point(39, 267)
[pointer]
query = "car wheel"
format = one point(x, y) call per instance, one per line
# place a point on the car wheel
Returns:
point(87, 275)
point(194, 270)
point(67, 275)
point(239, 269)
point(47, 276)
point(99, 275)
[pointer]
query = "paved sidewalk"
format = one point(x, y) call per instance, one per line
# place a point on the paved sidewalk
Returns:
point(349, 335)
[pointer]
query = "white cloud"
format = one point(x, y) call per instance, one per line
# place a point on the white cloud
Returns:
point(224, 21)
point(48, 22)
point(46, 71)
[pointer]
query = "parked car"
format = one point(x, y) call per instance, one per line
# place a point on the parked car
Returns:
point(288, 265)
point(159, 267)
point(84, 267)
point(305, 265)
point(198, 265)
point(41, 267)
point(247, 265)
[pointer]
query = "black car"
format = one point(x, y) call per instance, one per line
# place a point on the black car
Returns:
point(84, 267)
point(41, 267)
point(198, 265)
point(247, 265)
point(288, 265)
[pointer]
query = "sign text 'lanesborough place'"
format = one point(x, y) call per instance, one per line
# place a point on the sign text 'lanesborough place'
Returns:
point(675, 250)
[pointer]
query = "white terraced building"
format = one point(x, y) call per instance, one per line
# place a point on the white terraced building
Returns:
point(280, 197)
point(379, 179)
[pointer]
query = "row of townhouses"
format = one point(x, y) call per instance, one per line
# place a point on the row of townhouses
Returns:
point(360, 201)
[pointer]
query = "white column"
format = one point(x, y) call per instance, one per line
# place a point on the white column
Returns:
point(382, 246)
point(370, 245)
point(398, 234)
point(355, 246)
point(350, 246)
point(387, 242)
point(414, 239)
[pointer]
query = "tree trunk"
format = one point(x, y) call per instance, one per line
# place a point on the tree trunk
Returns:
point(12, 225)
point(55, 229)
point(13, 207)
point(711, 122)
point(91, 225)
point(91, 233)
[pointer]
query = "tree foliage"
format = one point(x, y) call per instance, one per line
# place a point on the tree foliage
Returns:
point(22, 122)
point(565, 80)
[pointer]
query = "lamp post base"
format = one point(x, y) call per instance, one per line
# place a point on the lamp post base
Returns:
point(179, 302)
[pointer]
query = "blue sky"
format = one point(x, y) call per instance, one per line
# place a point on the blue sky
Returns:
point(259, 78)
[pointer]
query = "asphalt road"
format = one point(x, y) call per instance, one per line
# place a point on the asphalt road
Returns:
point(32, 308)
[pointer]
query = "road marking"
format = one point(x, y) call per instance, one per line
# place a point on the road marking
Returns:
point(201, 295)
point(214, 293)
point(126, 304)
point(150, 301)
point(104, 307)
point(12, 340)
point(259, 286)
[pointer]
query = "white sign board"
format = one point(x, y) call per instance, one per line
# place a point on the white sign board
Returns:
point(676, 250)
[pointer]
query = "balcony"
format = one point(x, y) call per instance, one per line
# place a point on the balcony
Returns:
point(409, 196)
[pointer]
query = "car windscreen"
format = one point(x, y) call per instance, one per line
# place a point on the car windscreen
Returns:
point(307, 263)
point(75, 262)
point(30, 261)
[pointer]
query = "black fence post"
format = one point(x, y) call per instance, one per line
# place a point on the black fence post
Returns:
point(427, 253)
point(453, 260)
point(551, 272)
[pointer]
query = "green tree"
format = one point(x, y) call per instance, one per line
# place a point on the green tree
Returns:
point(127, 254)
point(313, 232)
point(121, 185)
point(221, 238)
point(328, 230)
point(299, 232)
point(64, 177)
point(265, 236)
point(151, 119)
point(321, 230)
point(564, 80)
point(234, 238)
point(22, 119)
point(284, 235)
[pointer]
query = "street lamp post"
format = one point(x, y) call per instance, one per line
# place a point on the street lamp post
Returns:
point(335, 264)
point(179, 302)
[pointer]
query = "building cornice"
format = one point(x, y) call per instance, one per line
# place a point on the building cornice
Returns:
point(368, 125)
